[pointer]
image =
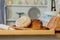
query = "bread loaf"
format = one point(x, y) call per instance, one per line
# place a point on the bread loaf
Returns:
point(16, 28)
point(54, 23)
point(24, 21)
point(36, 24)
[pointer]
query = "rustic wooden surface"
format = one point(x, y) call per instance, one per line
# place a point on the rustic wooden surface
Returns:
point(27, 32)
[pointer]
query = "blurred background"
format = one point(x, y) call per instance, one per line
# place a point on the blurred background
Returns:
point(35, 9)
point(10, 10)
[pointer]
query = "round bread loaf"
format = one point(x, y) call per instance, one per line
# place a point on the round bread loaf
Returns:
point(36, 24)
point(24, 21)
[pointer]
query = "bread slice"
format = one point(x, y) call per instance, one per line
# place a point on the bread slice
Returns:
point(54, 23)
